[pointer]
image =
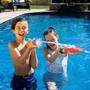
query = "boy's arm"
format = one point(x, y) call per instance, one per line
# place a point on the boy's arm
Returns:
point(49, 57)
point(18, 59)
point(33, 59)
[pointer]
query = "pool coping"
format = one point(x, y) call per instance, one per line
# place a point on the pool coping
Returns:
point(5, 16)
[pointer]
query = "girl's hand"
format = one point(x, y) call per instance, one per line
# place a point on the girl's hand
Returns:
point(61, 49)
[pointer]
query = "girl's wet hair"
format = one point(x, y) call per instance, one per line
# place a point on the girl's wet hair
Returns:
point(15, 21)
point(50, 30)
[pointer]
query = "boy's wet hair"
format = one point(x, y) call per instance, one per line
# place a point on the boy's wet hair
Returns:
point(50, 30)
point(15, 21)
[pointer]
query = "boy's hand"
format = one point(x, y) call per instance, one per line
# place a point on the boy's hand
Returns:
point(30, 44)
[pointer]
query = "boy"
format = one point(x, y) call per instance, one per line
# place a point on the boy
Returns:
point(24, 58)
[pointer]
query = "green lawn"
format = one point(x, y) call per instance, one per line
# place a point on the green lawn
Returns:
point(39, 6)
point(1, 8)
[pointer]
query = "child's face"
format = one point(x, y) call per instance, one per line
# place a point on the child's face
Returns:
point(52, 38)
point(21, 29)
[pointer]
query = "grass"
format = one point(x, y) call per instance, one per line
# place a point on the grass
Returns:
point(1, 8)
point(32, 7)
point(39, 6)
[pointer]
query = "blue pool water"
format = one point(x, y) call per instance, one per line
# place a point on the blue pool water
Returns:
point(71, 29)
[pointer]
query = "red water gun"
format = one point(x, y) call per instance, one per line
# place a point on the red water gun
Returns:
point(71, 49)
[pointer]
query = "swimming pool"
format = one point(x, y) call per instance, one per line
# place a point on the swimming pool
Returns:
point(71, 29)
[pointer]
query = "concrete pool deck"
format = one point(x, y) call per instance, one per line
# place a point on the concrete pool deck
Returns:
point(4, 16)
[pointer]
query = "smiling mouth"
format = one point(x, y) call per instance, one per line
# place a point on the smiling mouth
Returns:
point(21, 33)
point(52, 45)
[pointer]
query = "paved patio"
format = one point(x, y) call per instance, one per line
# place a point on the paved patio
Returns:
point(4, 16)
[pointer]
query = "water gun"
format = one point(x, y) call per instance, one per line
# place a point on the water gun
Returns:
point(31, 43)
point(71, 49)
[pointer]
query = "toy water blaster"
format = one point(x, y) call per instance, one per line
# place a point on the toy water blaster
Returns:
point(71, 49)
point(33, 43)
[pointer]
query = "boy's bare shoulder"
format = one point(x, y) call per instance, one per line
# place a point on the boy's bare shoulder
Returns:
point(11, 44)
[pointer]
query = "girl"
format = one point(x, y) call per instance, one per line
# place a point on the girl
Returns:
point(56, 72)
point(23, 57)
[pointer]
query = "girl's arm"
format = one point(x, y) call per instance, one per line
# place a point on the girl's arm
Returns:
point(49, 57)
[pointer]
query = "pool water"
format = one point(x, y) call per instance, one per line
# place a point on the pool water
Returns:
point(71, 30)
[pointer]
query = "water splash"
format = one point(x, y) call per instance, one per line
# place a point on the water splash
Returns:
point(86, 51)
point(39, 42)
